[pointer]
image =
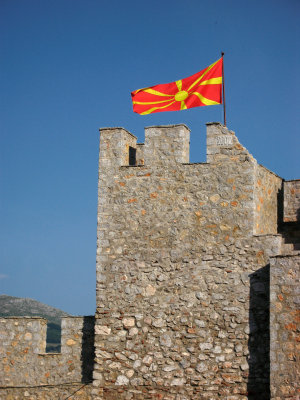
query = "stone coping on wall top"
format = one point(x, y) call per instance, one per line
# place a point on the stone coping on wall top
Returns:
point(167, 126)
point(286, 255)
point(270, 171)
point(224, 131)
point(135, 166)
point(291, 180)
point(215, 123)
point(54, 385)
point(45, 319)
point(196, 163)
point(193, 163)
point(25, 317)
point(117, 127)
point(147, 166)
point(267, 235)
point(79, 316)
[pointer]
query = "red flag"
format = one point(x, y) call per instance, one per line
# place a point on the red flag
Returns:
point(201, 89)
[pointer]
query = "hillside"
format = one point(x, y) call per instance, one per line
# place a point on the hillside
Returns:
point(21, 307)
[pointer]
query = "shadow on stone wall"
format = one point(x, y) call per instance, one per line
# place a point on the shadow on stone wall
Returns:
point(259, 337)
point(280, 196)
point(88, 349)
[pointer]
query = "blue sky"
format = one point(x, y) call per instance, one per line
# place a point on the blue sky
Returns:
point(67, 67)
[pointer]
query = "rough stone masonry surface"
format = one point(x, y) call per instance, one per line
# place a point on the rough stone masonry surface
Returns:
point(28, 372)
point(183, 268)
point(185, 254)
point(284, 326)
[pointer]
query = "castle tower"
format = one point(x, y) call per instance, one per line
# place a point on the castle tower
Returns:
point(182, 267)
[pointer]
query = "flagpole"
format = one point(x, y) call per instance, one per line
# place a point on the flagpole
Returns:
point(223, 85)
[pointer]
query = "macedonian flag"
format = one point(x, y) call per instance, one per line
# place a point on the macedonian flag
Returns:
point(201, 89)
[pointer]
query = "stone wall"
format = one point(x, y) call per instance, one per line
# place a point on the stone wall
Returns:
point(26, 368)
point(292, 201)
point(74, 391)
point(186, 256)
point(268, 188)
point(284, 326)
point(179, 272)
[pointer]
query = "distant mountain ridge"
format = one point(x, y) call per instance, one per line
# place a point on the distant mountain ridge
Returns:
point(24, 307)
point(11, 306)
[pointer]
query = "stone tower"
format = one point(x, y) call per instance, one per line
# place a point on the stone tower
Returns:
point(183, 267)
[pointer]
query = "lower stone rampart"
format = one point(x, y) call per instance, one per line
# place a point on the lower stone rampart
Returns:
point(27, 371)
point(285, 327)
point(74, 391)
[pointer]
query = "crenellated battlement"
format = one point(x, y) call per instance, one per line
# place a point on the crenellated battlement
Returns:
point(167, 144)
point(249, 191)
point(222, 145)
point(163, 144)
